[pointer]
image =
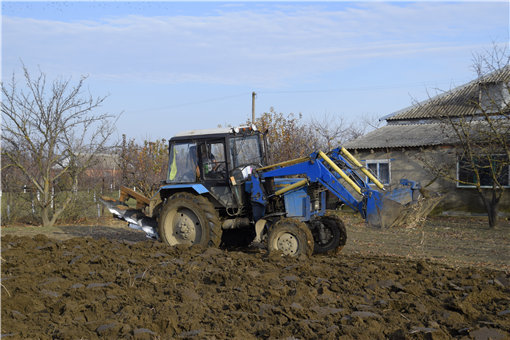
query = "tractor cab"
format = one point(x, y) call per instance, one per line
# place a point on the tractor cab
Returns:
point(217, 159)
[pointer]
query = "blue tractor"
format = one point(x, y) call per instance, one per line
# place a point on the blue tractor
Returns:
point(220, 189)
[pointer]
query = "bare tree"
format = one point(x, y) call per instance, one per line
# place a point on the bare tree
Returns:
point(480, 131)
point(333, 131)
point(366, 123)
point(288, 137)
point(330, 131)
point(144, 166)
point(51, 132)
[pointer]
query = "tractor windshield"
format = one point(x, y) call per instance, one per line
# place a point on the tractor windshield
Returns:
point(183, 163)
point(246, 150)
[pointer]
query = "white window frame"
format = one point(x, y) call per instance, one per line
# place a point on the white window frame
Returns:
point(378, 161)
point(468, 186)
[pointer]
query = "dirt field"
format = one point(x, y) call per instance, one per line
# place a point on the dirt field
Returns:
point(450, 279)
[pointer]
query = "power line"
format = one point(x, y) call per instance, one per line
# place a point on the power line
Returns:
point(358, 89)
point(195, 102)
point(350, 89)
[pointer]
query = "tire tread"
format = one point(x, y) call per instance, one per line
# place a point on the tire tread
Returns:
point(207, 209)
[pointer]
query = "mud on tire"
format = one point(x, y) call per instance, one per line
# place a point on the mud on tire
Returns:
point(190, 220)
point(334, 233)
point(291, 237)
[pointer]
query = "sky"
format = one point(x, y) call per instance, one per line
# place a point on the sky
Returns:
point(168, 66)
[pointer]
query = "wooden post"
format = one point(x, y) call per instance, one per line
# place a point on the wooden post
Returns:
point(253, 94)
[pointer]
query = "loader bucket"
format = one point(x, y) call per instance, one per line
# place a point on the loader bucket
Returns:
point(407, 207)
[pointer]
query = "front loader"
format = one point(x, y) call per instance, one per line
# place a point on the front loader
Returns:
point(220, 190)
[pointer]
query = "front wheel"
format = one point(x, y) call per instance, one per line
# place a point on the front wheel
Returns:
point(291, 237)
point(329, 233)
point(188, 219)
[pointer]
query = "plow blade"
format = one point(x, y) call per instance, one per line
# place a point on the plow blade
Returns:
point(135, 218)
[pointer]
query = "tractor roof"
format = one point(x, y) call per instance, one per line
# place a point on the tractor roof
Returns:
point(203, 132)
point(207, 133)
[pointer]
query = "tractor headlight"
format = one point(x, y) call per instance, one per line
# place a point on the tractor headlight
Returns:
point(316, 205)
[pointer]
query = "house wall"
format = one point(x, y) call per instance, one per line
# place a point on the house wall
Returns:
point(410, 164)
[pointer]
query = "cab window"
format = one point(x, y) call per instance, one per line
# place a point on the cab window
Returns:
point(245, 150)
point(183, 163)
point(214, 164)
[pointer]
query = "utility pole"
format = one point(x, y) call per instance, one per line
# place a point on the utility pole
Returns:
point(253, 94)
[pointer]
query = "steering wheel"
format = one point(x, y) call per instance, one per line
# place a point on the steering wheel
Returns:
point(216, 165)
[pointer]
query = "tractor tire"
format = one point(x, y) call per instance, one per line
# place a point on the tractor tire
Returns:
point(188, 219)
point(329, 234)
point(290, 237)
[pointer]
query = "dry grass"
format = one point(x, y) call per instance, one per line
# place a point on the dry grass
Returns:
point(456, 241)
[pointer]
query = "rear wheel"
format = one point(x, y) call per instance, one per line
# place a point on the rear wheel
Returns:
point(329, 233)
point(291, 237)
point(188, 219)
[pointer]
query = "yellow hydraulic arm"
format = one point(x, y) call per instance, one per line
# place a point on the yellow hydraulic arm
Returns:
point(362, 168)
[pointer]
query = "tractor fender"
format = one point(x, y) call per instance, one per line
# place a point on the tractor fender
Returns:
point(168, 190)
point(199, 189)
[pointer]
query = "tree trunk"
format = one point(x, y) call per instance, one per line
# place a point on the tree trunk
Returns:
point(491, 206)
point(493, 216)
point(46, 212)
point(45, 215)
point(493, 209)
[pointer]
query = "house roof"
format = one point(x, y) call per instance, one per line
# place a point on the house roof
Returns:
point(430, 134)
point(105, 161)
point(458, 102)
point(396, 136)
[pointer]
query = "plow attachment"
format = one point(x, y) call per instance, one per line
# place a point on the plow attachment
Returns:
point(135, 217)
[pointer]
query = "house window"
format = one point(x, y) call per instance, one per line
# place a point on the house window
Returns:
point(380, 168)
point(487, 167)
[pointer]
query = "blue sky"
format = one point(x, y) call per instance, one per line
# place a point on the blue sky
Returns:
point(173, 66)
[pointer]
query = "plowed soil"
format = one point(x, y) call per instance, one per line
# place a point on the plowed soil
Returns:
point(87, 288)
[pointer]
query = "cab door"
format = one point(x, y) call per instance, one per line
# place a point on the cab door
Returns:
point(214, 171)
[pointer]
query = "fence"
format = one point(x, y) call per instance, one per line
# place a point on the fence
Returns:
point(23, 207)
